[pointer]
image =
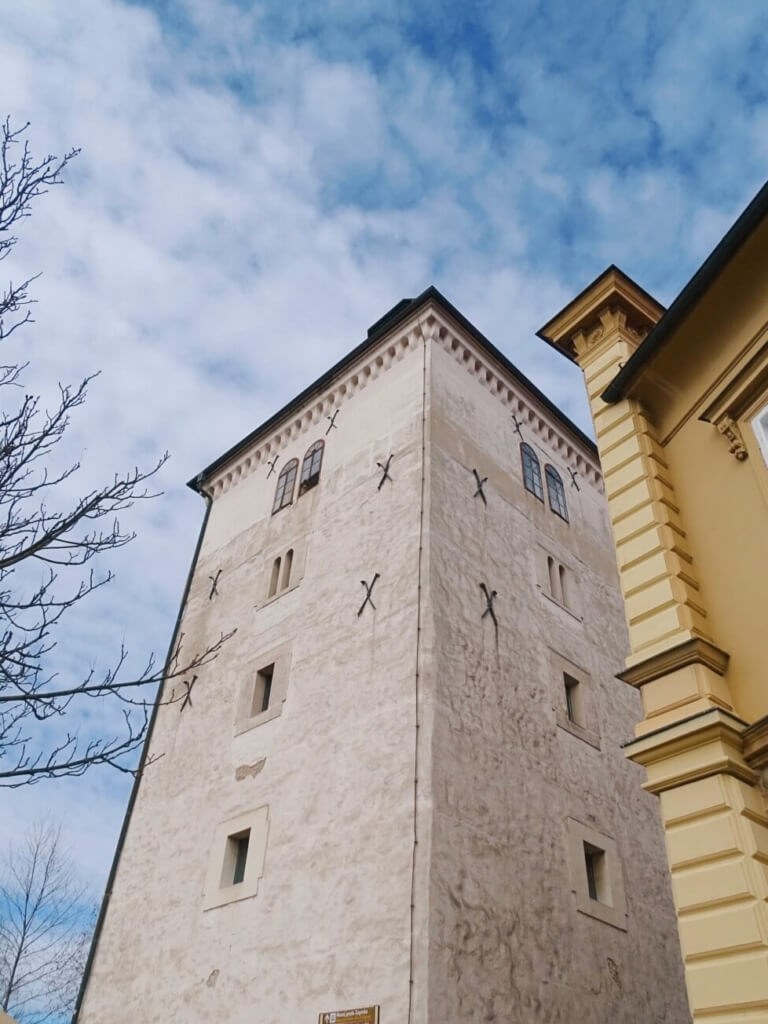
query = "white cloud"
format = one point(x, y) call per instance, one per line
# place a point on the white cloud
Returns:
point(260, 183)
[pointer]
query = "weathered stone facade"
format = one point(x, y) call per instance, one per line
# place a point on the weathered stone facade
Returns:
point(423, 794)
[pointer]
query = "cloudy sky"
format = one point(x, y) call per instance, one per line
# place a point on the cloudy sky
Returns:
point(261, 181)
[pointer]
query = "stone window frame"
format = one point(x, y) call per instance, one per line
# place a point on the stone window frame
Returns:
point(588, 729)
point(298, 549)
point(556, 492)
point(531, 471)
point(311, 466)
point(245, 719)
point(285, 486)
point(547, 562)
point(217, 893)
point(578, 837)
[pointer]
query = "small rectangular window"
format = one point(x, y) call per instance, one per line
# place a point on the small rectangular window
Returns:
point(262, 689)
point(241, 856)
point(598, 885)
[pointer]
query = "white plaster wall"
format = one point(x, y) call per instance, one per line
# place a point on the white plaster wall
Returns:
point(496, 936)
point(506, 942)
point(330, 925)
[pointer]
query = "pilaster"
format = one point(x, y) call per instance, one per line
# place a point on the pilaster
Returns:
point(662, 597)
point(700, 759)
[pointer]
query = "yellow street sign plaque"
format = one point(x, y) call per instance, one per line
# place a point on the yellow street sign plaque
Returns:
point(366, 1015)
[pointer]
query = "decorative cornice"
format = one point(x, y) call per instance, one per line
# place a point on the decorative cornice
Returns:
point(696, 748)
point(756, 744)
point(429, 326)
point(610, 294)
point(690, 652)
point(496, 382)
point(348, 384)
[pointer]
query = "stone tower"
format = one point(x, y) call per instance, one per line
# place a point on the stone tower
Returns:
point(400, 786)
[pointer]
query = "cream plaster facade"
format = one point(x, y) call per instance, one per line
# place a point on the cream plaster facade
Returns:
point(420, 804)
point(677, 398)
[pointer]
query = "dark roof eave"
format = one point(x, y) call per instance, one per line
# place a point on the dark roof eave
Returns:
point(720, 256)
point(373, 337)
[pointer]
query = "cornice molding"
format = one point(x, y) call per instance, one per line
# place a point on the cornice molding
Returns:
point(690, 652)
point(356, 378)
point(756, 744)
point(430, 325)
point(697, 748)
point(610, 294)
point(497, 382)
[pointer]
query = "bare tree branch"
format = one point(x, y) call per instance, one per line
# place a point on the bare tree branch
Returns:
point(46, 918)
point(44, 543)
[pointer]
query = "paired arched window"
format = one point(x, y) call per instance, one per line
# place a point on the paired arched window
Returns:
point(286, 483)
point(310, 474)
point(556, 492)
point(310, 468)
point(531, 471)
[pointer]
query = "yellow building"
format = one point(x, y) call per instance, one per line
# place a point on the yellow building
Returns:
point(679, 399)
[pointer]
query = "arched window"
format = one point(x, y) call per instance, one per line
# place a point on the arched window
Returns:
point(285, 485)
point(274, 581)
point(310, 468)
point(556, 492)
point(531, 471)
point(288, 565)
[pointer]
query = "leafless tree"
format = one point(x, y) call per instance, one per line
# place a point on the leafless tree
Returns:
point(47, 547)
point(46, 920)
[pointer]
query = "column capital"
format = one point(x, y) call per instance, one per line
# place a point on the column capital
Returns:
point(613, 304)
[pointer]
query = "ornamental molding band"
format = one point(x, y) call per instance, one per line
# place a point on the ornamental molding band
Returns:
point(610, 294)
point(430, 325)
point(756, 746)
point(734, 392)
point(496, 381)
point(706, 744)
point(690, 652)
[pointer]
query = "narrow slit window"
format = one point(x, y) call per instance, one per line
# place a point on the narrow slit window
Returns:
point(274, 581)
point(285, 486)
point(310, 467)
point(262, 690)
point(531, 471)
point(241, 856)
point(552, 572)
point(564, 586)
point(287, 566)
point(598, 884)
point(556, 492)
point(572, 699)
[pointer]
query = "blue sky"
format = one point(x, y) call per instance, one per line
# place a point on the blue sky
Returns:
point(260, 182)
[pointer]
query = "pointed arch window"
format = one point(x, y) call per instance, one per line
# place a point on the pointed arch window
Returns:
point(286, 484)
point(556, 492)
point(310, 468)
point(531, 471)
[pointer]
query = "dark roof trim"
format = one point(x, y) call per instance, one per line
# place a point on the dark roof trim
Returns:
point(402, 311)
point(720, 256)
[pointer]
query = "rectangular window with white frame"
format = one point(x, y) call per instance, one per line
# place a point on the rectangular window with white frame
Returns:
point(574, 699)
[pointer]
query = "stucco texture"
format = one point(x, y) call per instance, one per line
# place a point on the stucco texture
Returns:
point(411, 720)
